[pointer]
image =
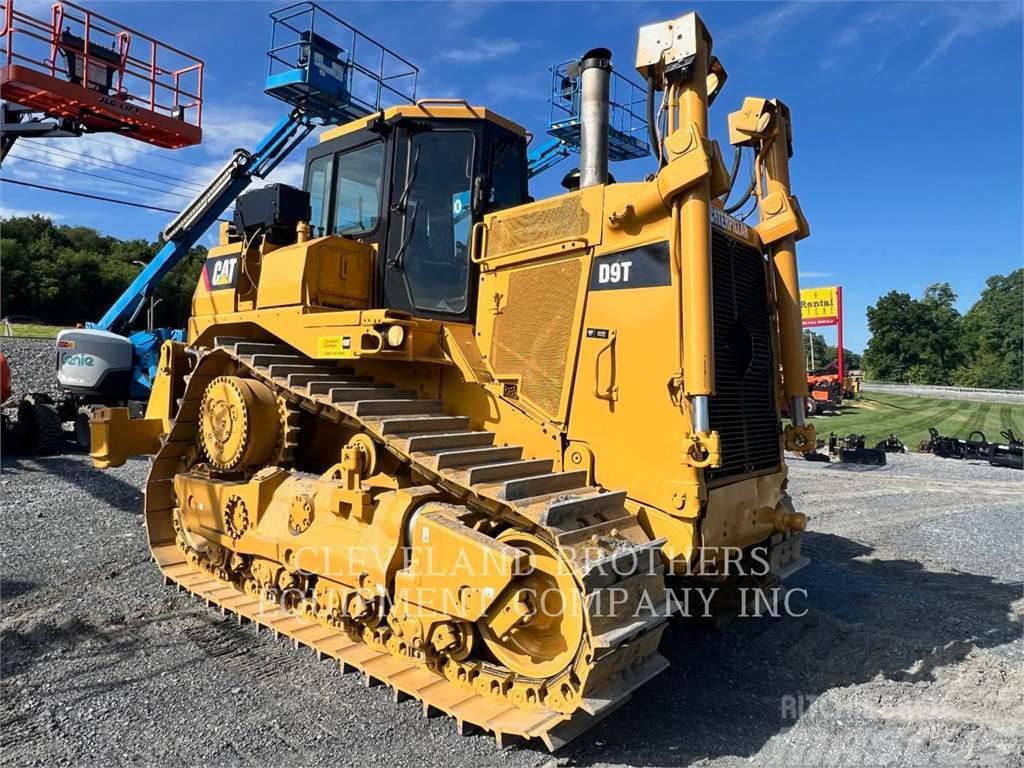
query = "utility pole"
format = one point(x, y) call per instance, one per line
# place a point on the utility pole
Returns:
point(153, 301)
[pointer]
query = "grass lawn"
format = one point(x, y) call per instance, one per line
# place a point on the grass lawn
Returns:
point(19, 329)
point(909, 417)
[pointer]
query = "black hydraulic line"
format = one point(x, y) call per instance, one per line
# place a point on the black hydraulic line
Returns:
point(92, 197)
point(652, 131)
point(748, 214)
point(737, 155)
point(743, 200)
point(750, 188)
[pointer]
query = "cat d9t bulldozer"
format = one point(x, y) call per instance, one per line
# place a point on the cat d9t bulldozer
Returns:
point(468, 443)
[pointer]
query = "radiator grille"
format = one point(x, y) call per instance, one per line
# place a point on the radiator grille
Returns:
point(743, 409)
point(533, 330)
point(563, 219)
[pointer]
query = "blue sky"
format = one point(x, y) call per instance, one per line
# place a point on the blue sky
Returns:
point(907, 116)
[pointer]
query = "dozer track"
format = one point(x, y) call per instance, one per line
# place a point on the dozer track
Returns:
point(618, 652)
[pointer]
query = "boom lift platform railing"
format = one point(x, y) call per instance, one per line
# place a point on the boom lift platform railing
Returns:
point(627, 123)
point(324, 65)
point(77, 71)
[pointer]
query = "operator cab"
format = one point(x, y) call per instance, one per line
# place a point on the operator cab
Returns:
point(413, 180)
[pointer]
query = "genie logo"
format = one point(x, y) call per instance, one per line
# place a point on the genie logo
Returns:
point(80, 360)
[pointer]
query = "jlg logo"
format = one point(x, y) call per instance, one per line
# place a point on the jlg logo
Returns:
point(613, 273)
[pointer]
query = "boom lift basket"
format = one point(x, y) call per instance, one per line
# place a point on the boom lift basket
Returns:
point(627, 125)
point(96, 75)
point(338, 84)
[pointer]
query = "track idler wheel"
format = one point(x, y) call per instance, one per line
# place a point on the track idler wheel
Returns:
point(239, 423)
point(537, 629)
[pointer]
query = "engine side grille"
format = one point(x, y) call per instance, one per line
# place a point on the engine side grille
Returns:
point(532, 334)
point(743, 409)
point(563, 219)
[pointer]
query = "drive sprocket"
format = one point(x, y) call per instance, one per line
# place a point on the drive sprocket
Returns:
point(239, 423)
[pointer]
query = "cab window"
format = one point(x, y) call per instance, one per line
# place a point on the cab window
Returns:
point(434, 251)
point(357, 189)
point(506, 175)
point(319, 182)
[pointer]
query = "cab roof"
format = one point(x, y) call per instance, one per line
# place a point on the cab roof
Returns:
point(447, 109)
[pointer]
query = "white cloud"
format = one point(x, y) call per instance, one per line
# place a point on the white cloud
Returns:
point(460, 14)
point(9, 213)
point(290, 172)
point(20, 170)
point(479, 49)
point(877, 34)
point(969, 20)
point(814, 275)
point(524, 86)
point(758, 33)
point(228, 128)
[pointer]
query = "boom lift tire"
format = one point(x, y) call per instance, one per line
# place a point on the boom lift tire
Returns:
point(85, 413)
point(42, 428)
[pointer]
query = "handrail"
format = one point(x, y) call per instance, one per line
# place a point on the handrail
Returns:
point(167, 88)
point(611, 394)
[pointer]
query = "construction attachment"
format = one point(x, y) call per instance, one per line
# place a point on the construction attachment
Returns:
point(852, 449)
point(74, 71)
point(977, 447)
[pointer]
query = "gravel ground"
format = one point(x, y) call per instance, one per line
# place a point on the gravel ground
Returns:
point(32, 364)
point(910, 651)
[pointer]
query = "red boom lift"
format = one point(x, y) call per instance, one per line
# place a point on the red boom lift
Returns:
point(79, 72)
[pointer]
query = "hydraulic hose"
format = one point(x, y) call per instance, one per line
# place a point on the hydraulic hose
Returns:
point(750, 188)
point(652, 131)
point(737, 155)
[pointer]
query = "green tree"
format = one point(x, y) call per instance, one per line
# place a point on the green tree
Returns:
point(817, 353)
point(826, 354)
point(64, 275)
point(993, 335)
point(916, 340)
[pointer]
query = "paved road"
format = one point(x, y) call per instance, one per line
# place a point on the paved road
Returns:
point(910, 651)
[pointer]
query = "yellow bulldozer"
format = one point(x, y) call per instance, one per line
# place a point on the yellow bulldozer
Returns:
point(471, 444)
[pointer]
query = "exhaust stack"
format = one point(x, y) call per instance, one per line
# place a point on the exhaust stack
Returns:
point(595, 75)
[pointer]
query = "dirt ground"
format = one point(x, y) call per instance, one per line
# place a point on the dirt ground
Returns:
point(910, 651)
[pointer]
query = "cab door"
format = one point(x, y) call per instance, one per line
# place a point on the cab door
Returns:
point(427, 271)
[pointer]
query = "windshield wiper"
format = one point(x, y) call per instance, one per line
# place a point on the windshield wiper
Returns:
point(398, 260)
point(403, 199)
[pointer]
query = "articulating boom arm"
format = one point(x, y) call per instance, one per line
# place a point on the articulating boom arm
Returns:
point(200, 214)
point(546, 156)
